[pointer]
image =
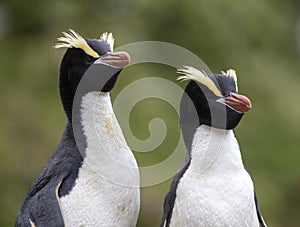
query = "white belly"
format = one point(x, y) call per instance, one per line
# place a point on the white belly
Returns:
point(95, 201)
point(215, 201)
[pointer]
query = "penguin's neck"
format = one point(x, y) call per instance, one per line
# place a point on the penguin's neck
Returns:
point(99, 121)
point(215, 151)
point(106, 152)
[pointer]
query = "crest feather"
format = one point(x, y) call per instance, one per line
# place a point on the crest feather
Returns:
point(109, 39)
point(231, 73)
point(190, 73)
point(74, 40)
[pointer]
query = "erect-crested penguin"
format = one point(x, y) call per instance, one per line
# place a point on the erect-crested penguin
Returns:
point(93, 181)
point(212, 188)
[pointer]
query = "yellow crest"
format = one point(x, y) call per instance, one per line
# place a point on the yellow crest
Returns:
point(74, 40)
point(190, 73)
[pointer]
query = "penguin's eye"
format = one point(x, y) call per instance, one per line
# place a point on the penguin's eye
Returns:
point(89, 60)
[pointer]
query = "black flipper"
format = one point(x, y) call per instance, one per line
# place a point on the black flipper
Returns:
point(45, 209)
point(260, 218)
point(41, 206)
point(171, 196)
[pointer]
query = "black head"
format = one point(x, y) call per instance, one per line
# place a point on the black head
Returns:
point(211, 100)
point(80, 55)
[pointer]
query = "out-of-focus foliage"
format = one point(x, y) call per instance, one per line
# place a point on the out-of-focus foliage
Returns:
point(257, 37)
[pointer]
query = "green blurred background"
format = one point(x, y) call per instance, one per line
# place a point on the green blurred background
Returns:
point(259, 38)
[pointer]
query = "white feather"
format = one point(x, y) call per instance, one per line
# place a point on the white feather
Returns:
point(231, 73)
point(108, 37)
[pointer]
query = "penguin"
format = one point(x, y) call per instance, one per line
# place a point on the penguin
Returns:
point(92, 179)
point(212, 188)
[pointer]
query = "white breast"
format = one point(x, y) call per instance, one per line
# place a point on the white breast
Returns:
point(106, 192)
point(215, 190)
